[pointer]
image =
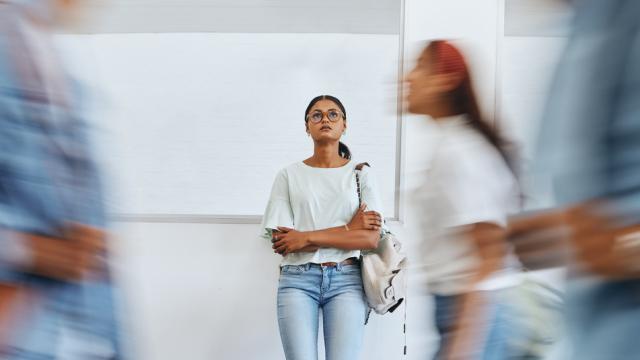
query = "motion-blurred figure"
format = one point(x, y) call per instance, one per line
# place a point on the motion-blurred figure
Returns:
point(590, 148)
point(469, 193)
point(55, 296)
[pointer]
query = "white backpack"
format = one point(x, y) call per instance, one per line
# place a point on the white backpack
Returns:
point(384, 274)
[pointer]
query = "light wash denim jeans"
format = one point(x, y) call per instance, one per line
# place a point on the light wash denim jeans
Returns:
point(303, 291)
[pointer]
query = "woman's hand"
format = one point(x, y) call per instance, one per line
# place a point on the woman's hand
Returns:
point(365, 220)
point(287, 241)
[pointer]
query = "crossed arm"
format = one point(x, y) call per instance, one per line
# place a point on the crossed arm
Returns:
point(361, 233)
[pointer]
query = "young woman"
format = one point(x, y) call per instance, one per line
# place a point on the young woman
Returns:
point(316, 225)
point(468, 195)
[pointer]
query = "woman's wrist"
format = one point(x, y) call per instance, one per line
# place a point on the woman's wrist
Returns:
point(312, 239)
point(319, 238)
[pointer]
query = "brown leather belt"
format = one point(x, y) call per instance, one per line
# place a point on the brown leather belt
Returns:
point(349, 261)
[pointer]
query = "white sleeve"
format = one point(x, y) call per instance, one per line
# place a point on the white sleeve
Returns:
point(370, 194)
point(278, 211)
point(477, 188)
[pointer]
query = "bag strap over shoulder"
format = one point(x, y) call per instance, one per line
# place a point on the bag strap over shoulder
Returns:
point(359, 168)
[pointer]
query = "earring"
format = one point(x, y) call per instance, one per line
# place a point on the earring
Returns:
point(344, 133)
point(308, 133)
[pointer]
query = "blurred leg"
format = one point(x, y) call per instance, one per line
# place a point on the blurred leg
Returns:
point(492, 341)
point(445, 317)
point(499, 331)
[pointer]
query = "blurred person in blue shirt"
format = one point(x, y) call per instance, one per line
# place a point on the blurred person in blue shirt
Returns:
point(55, 292)
point(590, 149)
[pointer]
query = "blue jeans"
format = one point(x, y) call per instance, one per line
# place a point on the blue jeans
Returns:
point(302, 292)
point(603, 319)
point(495, 345)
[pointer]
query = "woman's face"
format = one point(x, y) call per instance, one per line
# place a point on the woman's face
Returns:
point(326, 122)
point(424, 92)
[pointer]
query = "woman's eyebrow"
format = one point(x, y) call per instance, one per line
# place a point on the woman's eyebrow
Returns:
point(332, 109)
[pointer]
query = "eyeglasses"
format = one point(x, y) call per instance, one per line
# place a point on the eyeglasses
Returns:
point(317, 116)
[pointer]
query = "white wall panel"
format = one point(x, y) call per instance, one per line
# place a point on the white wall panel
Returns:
point(199, 124)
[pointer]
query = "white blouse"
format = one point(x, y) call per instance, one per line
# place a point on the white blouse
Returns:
point(308, 198)
point(468, 183)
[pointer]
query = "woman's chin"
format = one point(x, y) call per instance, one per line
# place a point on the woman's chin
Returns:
point(326, 138)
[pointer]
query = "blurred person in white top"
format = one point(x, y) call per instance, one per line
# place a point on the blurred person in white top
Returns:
point(469, 193)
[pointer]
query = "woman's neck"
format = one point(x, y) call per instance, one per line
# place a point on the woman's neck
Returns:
point(443, 110)
point(326, 156)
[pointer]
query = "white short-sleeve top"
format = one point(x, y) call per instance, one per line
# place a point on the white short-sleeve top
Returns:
point(309, 198)
point(468, 182)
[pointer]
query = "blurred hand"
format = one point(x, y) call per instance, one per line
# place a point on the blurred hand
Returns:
point(93, 239)
point(68, 258)
point(93, 243)
point(602, 248)
point(55, 258)
point(595, 244)
point(540, 240)
point(365, 220)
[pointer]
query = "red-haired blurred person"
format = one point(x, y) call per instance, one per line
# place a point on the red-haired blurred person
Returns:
point(468, 195)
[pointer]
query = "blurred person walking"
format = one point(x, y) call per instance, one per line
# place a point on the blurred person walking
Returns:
point(56, 300)
point(468, 195)
point(589, 147)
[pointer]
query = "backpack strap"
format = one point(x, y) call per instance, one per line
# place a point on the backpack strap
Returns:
point(359, 168)
point(404, 325)
point(403, 301)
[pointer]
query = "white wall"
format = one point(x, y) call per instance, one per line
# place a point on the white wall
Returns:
point(214, 112)
point(208, 291)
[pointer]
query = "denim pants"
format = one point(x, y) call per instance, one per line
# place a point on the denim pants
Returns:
point(494, 346)
point(603, 319)
point(303, 291)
